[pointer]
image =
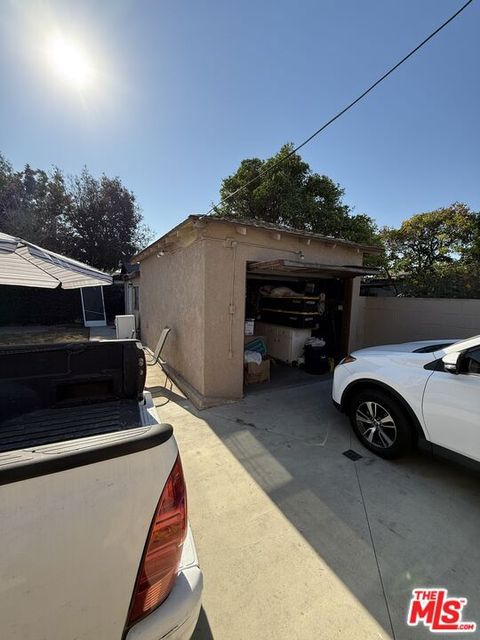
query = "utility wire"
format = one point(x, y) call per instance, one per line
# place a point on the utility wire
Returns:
point(340, 113)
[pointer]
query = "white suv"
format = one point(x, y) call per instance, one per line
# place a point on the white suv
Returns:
point(398, 393)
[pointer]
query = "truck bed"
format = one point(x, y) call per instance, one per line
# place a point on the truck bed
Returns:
point(75, 518)
point(58, 424)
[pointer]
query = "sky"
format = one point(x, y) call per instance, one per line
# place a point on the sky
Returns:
point(171, 96)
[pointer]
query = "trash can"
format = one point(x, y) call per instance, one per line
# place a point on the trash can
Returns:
point(316, 360)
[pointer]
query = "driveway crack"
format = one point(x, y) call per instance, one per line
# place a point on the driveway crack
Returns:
point(387, 606)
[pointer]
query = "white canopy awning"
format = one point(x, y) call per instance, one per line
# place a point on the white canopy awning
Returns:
point(26, 265)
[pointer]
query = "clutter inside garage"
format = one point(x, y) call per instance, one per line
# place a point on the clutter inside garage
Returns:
point(293, 323)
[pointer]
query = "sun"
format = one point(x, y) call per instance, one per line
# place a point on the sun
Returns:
point(69, 62)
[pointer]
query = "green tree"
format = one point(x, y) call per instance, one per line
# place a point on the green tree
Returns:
point(427, 241)
point(93, 220)
point(32, 204)
point(104, 223)
point(292, 195)
point(473, 254)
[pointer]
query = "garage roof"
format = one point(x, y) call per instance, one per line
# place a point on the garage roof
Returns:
point(311, 269)
point(201, 221)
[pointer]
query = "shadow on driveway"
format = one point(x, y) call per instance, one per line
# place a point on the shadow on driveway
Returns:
point(383, 527)
point(202, 630)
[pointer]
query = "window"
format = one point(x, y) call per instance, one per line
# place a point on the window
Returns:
point(135, 299)
point(471, 363)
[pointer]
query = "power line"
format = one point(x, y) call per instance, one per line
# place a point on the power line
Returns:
point(340, 113)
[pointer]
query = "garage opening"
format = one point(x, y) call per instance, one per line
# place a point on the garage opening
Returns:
point(297, 320)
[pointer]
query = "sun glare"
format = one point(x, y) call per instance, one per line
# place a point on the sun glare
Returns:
point(70, 62)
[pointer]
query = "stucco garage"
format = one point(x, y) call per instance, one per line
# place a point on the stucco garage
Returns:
point(197, 280)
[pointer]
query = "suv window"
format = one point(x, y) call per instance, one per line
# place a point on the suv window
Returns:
point(471, 363)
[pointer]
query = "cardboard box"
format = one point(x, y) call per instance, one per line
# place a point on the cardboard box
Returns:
point(255, 373)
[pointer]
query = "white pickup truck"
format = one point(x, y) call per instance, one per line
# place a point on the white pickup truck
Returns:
point(94, 535)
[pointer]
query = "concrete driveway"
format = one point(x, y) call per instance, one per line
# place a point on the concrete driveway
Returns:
point(298, 541)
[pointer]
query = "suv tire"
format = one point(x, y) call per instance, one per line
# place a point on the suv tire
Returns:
point(380, 423)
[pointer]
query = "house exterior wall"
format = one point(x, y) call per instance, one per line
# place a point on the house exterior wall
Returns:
point(172, 295)
point(390, 320)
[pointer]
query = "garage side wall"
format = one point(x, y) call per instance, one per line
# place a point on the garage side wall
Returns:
point(172, 294)
point(225, 271)
point(390, 320)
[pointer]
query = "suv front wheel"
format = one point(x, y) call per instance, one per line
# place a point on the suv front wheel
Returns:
point(380, 423)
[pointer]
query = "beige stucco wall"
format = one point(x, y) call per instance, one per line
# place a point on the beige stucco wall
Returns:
point(172, 294)
point(225, 268)
point(389, 320)
point(198, 289)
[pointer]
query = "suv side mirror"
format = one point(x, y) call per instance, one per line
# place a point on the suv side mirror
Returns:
point(450, 362)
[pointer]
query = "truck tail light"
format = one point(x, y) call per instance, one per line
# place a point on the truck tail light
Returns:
point(163, 549)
